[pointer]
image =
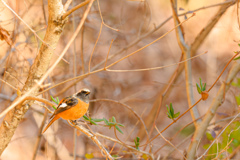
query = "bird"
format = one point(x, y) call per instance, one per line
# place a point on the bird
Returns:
point(71, 108)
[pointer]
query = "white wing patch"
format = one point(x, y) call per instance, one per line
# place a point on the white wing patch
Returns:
point(63, 105)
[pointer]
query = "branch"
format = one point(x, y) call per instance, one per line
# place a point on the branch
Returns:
point(75, 8)
point(138, 39)
point(163, 94)
point(128, 107)
point(212, 110)
point(186, 50)
point(127, 146)
point(93, 138)
point(38, 69)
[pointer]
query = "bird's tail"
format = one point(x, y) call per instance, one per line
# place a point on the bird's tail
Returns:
point(49, 124)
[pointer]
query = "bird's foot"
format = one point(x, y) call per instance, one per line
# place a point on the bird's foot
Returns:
point(74, 122)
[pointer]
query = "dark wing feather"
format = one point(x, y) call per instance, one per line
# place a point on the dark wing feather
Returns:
point(70, 101)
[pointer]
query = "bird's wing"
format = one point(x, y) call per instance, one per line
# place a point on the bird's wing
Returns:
point(65, 104)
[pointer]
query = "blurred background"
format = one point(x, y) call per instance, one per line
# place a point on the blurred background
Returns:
point(139, 22)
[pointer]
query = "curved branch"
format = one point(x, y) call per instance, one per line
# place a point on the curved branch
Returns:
point(37, 70)
point(93, 138)
point(212, 110)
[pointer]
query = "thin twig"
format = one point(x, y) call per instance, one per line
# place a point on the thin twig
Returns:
point(238, 20)
point(89, 64)
point(81, 49)
point(108, 54)
point(169, 142)
point(74, 8)
point(223, 70)
point(130, 133)
point(75, 87)
point(138, 39)
point(129, 147)
point(186, 51)
point(67, 4)
point(129, 108)
point(102, 18)
point(155, 68)
point(176, 135)
point(93, 138)
point(218, 136)
point(34, 32)
point(9, 85)
point(224, 149)
point(150, 43)
point(212, 110)
point(36, 146)
point(96, 71)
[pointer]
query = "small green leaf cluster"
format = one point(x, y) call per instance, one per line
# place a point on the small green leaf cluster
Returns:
point(201, 87)
point(237, 84)
point(137, 142)
point(232, 132)
point(170, 112)
point(111, 123)
point(92, 120)
point(55, 101)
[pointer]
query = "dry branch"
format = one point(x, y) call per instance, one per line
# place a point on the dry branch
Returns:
point(212, 110)
point(186, 50)
point(38, 69)
point(163, 94)
point(93, 138)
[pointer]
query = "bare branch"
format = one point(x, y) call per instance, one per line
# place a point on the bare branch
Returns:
point(212, 110)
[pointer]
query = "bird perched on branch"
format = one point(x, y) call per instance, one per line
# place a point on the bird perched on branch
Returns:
point(72, 107)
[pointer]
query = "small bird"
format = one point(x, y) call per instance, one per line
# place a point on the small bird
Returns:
point(72, 107)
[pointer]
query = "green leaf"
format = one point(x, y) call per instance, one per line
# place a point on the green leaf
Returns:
point(85, 117)
point(198, 89)
point(170, 112)
point(209, 136)
point(52, 99)
point(55, 101)
point(236, 84)
point(58, 100)
point(238, 81)
point(200, 83)
point(115, 156)
point(204, 87)
point(230, 149)
point(205, 146)
point(92, 122)
point(105, 121)
point(238, 99)
point(171, 109)
point(167, 108)
point(111, 124)
point(119, 124)
point(169, 115)
point(97, 120)
point(54, 107)
point(237, 58)
point(113, 119)
point(176, 115)
point(136, 141)
point(119, 129)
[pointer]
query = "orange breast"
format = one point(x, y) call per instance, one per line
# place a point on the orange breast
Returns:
point(75, 112)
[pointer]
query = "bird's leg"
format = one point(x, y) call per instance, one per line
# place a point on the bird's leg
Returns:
point(74, 122)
